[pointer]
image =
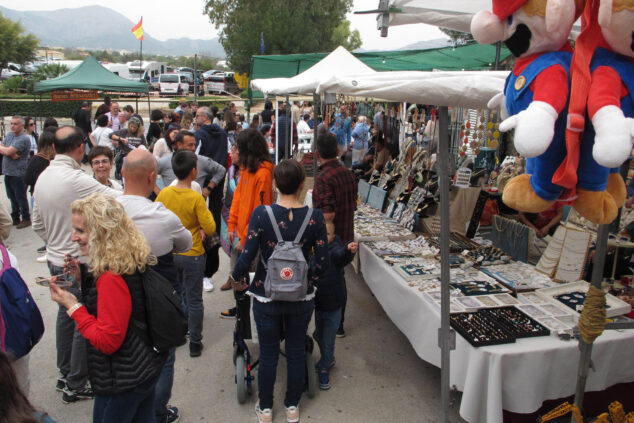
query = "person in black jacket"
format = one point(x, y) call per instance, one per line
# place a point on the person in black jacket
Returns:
point(329, 299)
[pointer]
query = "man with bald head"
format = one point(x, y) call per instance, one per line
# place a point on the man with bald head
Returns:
point(165, 235)
point(61, 183)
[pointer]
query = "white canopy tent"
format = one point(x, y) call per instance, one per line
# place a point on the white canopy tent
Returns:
point(470, 89)
point(339, 61)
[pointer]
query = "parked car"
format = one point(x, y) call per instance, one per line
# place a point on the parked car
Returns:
point(222, 83)
point(209, 73)
point(11, 70)
point(173, 84)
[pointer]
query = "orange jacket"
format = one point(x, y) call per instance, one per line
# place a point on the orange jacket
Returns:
point(253, 190)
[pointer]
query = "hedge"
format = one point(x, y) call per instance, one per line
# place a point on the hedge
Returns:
point(58, 109)
point(203, 103)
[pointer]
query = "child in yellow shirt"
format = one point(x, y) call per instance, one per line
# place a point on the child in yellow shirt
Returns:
point(192, 210)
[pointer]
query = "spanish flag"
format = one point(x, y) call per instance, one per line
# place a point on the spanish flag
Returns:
point(138, 30)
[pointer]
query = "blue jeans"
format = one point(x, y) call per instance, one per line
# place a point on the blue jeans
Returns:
point(16, 191)
point(135, 406)
point(163, 390)
point(72, 359)
point(190, 275)
point(326, 325)
point(272, 319)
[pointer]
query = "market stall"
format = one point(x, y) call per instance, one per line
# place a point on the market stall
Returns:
point(519, 374)
point(516, 376)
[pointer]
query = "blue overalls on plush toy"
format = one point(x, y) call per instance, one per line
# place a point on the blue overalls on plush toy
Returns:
point(543, 167)
point(592, 176)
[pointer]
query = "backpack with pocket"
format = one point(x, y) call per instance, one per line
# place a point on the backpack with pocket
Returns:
point(287, 269)
point(167, 322)
point(20, 318)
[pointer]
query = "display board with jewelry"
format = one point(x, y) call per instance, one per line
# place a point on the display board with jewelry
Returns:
point(479, 329)
point(518, 276)
point(416, 247)
point(371, 225)
point(573, 295)
point(516, 322)
point(487, 256)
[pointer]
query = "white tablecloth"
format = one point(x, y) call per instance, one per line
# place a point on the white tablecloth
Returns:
point(515, 377)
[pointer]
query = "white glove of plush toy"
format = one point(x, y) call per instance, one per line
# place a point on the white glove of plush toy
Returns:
point(613, 139)
point(498, 101)
point(534, 128)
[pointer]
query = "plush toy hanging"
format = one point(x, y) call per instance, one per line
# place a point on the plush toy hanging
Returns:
point(607, 138)
point(536, 91)
point(592, 160)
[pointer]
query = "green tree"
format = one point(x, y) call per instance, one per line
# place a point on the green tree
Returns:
point(50, 70)
point(15, 46)
point(288, 26)
point(342, 36)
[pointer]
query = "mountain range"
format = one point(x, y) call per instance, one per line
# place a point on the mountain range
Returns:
point(79, 28)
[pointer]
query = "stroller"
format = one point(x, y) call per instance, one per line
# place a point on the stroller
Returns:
point(242, 358)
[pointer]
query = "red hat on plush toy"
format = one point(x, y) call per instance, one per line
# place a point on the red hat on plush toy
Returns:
point(505, 8)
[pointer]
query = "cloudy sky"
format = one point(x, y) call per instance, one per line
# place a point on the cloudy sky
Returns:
point(185, 19)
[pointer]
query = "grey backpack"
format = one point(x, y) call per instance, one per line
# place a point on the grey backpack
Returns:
point(287, 270)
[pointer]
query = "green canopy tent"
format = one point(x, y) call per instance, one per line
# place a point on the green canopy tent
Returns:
point(468, 57)
point(91, 75)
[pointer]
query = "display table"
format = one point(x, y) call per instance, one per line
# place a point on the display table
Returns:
point(516, 377)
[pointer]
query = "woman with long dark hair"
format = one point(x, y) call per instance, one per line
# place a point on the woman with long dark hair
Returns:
point(14, 405)
point(255, 188)
point(165, 145)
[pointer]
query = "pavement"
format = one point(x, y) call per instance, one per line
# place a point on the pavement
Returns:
point(378, 376)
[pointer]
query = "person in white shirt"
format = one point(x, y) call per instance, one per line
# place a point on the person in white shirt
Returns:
point(113, 117)
point(303, 128)
point(165, 235)
point(100, 136)
point(62, 182)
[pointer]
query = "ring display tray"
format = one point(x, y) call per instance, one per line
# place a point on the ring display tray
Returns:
point(516, 322)
point(479, 330)
point(572, 295)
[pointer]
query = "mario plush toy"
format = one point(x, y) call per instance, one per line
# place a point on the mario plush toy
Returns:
point(536, 91)
point(604, 52)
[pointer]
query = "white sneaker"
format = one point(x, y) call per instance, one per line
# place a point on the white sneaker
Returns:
point(264, 416)
point(41, 259)
point(292, 414)
point(207, 285)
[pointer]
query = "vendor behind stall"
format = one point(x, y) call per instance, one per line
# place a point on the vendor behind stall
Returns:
point(546, 222)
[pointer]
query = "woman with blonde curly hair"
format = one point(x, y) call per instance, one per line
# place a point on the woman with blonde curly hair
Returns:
point(123, 367)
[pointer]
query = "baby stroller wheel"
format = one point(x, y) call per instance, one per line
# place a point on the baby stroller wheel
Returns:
point(311, 375)
point(241, 378)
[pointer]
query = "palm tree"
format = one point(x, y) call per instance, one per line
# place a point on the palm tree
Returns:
point(50, 70)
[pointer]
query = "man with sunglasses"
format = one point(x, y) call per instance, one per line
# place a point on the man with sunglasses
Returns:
point(15, 151)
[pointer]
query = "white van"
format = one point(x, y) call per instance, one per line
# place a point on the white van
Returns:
point(173, 84)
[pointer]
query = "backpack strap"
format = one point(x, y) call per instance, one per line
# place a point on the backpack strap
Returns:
point(269, 210)
point(6, 261)
point(302, 229)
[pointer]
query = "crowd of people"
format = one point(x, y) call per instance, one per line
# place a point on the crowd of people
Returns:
point(197, 181)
